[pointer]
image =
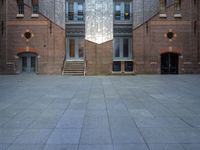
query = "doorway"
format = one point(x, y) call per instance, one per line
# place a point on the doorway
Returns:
point(28, 63)
point(169, 63)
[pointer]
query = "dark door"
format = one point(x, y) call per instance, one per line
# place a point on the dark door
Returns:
point(169, 63)
point(28, 63)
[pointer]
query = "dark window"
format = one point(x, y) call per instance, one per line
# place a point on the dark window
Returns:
point(81, 48)
point(128, 66)
point(117, 66)
point(117, 47)
point(35, 6)
point(125, 48)
point(195, 27)
point(20, 4)
point(177, 6)
point(127, 11)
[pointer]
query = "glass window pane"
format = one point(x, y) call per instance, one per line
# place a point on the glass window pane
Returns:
point(80, 11)
point(72, 48)
point(125, 48)
point(128, 66)
point(117, 66)
point(127, 11)
point(71, 10)
point(117, 11)
point(81, 48)
point(116, 47)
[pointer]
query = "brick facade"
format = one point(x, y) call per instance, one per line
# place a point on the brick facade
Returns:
point(149, 41)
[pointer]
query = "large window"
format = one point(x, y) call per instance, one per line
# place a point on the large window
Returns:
point(122, 11)
point(75, 10)
point(177, 8)
point(35, 6)
point(20, 4)
point(122, 48)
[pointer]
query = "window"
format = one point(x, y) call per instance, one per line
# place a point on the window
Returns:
point(177, 8)
point(116, 47)
point(122, 11)
point(122, 48)
point(35, 6)
point(75, 11)
point(20, 4)
point(117, 66)
point(163, 4)
point(128, 66)
point(80, 48)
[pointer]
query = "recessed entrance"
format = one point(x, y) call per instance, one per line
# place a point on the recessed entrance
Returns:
point(28, 62)
point(169, 63)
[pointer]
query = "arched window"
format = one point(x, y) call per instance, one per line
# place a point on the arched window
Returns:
point(20, 4)
point(35, 6)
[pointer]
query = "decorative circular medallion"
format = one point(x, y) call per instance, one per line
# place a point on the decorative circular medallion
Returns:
point(27, 35)
point(170, 35)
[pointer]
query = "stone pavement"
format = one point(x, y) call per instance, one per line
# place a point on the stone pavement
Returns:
point(100, 113)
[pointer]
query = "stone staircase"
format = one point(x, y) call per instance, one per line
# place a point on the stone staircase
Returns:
point(73, 68)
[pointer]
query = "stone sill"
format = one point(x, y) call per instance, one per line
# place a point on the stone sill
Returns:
point(177, 16)
point(35, 15)
point(163, 15)
point(123, 73)
point(20, 16)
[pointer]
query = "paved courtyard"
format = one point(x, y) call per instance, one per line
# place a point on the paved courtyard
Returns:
point(100, 113)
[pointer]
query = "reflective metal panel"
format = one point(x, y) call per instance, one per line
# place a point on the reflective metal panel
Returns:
point(99, 20)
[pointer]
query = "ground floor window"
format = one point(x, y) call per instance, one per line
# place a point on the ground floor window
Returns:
point(122, 48)
point(117, 66)
point(128, 66)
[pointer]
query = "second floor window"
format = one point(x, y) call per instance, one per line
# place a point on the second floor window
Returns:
point(177, 6)
point(122, 10)
point(163, 4)
point(75, 10)
point(20, 4)
point(35, 6)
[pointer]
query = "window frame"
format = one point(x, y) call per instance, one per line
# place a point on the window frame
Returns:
point(121, 49)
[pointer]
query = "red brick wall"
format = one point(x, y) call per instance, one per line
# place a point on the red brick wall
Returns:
point(48, 40)
point(149, 41)
point(98, 58)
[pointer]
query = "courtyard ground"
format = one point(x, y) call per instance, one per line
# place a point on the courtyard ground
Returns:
point(146, 112)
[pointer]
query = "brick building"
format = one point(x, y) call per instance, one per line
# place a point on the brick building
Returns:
point(95, 37)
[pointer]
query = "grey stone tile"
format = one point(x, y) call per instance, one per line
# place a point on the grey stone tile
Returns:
point(25, 147)
point(96, 122)
point(126, 136)
point(33, 136)
point(194, 121)
point(4, 146)
point(160, 122)
point(130, 147)
point(158, 136)
point(64, 136)
point(9, 135)
point(95, 147)
point(60, 147)
point(121, 122)
point(95, 136)
point(166, 147)
point(191, 146)
point(137, 113)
